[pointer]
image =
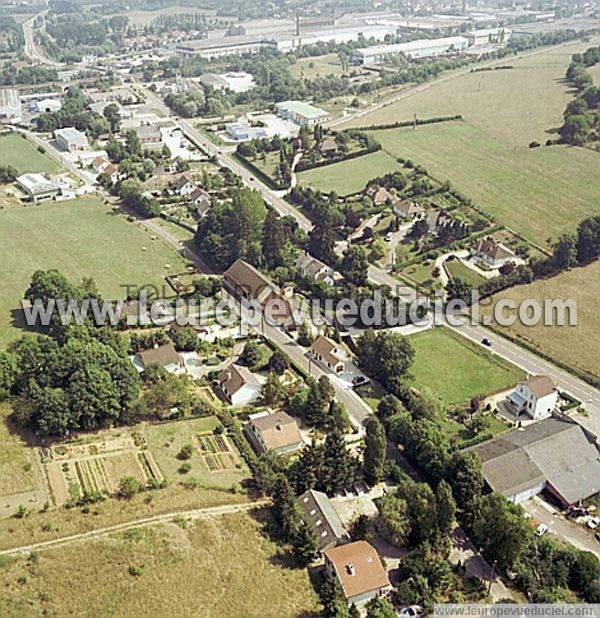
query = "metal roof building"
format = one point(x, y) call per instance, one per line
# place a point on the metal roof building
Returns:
point(423, 48)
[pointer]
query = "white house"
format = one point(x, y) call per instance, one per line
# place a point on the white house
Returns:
point(185, 186)
point(239, 385)
point(276, 432)
point(99, 164)
point(71, 140)
point(536, 396)
point(165, 355)
point(493, 253)
point(328, 353)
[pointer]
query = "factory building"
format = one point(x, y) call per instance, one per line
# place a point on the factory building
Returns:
point(10, 105)
point(301, 113)
point(489, 36)
point(423, 48)
point(70, 139)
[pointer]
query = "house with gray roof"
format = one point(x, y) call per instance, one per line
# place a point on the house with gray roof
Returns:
point(318, 510)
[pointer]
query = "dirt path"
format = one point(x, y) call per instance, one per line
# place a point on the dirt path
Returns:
point(205, 513)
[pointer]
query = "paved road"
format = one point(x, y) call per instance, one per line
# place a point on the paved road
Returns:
point(209, 512)
point(31, 49)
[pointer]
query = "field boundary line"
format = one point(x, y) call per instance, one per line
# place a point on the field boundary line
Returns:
point(213, 511)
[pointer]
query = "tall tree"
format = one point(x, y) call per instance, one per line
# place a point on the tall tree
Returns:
point(375, 451)
point(446, 507)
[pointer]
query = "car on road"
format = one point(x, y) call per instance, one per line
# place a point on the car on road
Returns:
point(485, 341)
point(360, 380)
point(411, 611)
point(593, 522)
point(389, 236)
point(597, 535)
point(541, 530)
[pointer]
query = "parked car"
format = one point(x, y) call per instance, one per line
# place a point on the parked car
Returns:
point(411, 611)
point(576, 511)
point(541, 530)
point(597, 536)
point(389, 236)
point(360, 380)
point(486, 341)
point(593, 522)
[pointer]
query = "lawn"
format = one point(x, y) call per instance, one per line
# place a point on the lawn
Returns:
point(349, 176)
point(514, 106)
point(539, 192)
point(24, 156)
point(180, 233)
point(81, 238)
point(166, 441)
point(577, 346)
point(455, 370)
point(213, 568)
point(456, 268)
point(317, 66)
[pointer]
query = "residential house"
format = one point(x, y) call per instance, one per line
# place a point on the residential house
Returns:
point(276, 432)
point(112, 171)
point(202, 201)
point(380, 195)
point(554, 455)
point(318, 510)
point(99, 164)
point(165, 355)
point(327, 146)
point(248, 283)
point(315, 270)
point(37, 187)
point(239, 385)
point(185, 186)
point(71, 140)
point(327, 352)
point(536, 397)
point(438, 219)
point(493, 253)
point(148, 135)
point(407, 209)
point(359, 571)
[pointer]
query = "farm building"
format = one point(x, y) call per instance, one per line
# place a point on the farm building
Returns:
point(554, 455)
point(358, 569)
point(70, 139)
point(535, 397)
point(242, 132)
point(276, 432)
point(165, 355)
point(423, 48)
point(318, 510)
point(239, 385)
point(301, 113)
point(37, 187)
point(327, 352)
point(10, 105)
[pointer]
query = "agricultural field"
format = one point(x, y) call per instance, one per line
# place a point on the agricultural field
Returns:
point(214, 462)
point(578, 346)
point(215, 567)
point(24, 156)
point(349, 176)
point(82, 238)
point(539, 192)
point(514, 106)
point(317, 66)
point(455, 370)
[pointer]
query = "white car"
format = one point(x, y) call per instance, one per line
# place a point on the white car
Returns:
point(541, 530)
point(593, 522)
point(389, 236)
point(411, 611)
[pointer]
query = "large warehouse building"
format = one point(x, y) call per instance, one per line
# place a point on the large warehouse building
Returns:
point(423, 48)
point(553, 455)
point(490, 36)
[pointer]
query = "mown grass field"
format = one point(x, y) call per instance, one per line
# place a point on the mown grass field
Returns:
point(317, 66)
point(539, 192)
point(455, 370)
point(81, 238)
point(514, 106)
point(577, 346)
point(212, 568)
point(456, 268)
point(349, 176)
point(24, 156)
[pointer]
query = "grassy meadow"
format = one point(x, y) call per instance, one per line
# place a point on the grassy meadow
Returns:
point(81, 238)
point(224, 566)
point(576, 346)
point(24, 156)
point(349, 176)
point(317, 66)
point(540, 192)
point(455, 370)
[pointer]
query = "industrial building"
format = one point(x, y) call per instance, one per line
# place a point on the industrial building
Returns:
point(37, 187)
point(232, 81)
point(204, 49)
point(70, 139)
point(489, 36)
point(423, 48)
point(10, 105)
point(242, 132)
point(554, 455)
point(301, 113)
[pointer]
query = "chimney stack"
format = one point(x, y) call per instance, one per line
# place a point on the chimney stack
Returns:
point(297, 24)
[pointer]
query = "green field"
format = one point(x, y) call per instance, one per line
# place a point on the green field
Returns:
point(514, 106)
point(24, 156)
point(539, 192)
point(316, 66)
point(81, 238)
point(456, 268)
point(455, 370)
point(214, 568)
point(349, 176)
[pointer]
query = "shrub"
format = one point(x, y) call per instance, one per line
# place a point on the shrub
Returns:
point(128, 487)
point(186, 452)
point(184, 468)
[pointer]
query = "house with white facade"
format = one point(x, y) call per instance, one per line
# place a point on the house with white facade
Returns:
point(328, 353)
point(493, 253)
point(239, 385)
point(185, 186)
point(315, 270)
point(71, 140)
point(276, 432)
point(535, 397)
